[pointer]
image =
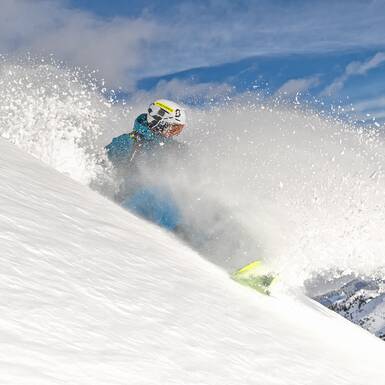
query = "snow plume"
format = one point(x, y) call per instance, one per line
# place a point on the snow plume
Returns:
point(252, 180)
point(302, 191)
point(55, 113)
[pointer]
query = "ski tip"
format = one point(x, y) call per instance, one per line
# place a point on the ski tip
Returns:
point(248, 268)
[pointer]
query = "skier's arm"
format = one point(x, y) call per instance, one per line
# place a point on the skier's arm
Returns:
point(120, 150)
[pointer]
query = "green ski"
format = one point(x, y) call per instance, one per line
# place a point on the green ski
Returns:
point(255, 276)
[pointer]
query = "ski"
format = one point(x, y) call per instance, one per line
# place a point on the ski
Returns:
point(256, 276)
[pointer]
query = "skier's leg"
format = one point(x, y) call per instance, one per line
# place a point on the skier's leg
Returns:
point(154, 205)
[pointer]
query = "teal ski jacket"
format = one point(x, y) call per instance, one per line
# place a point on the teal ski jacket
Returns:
point(122, 148)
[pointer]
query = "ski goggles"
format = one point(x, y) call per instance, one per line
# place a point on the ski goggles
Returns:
point(172, 130)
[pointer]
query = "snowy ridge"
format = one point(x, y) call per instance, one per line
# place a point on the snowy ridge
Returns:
point(361, 301)
point(91, 294)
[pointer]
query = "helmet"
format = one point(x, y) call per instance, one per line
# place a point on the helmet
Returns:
point(166, 117)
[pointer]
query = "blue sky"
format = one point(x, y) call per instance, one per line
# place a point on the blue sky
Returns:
point(121, 7)
point(330, 49)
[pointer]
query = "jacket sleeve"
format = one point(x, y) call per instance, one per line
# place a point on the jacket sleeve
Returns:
point(120, 150)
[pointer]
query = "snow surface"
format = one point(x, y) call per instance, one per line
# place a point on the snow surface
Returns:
point(90, 294)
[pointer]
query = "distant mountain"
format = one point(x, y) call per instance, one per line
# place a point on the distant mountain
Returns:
point(361, 301)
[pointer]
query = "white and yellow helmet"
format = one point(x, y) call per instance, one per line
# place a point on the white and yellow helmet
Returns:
point(166, 117)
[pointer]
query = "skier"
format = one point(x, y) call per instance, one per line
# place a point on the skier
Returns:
point(142, 157)
point(163, 120)
point(144, 148)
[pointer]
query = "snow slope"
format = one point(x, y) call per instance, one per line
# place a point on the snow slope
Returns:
point(91, 294)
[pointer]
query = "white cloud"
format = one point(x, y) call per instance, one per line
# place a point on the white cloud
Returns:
point(370, 104)
point(81, 38)
point(353, 69)
point(358, 68)
point(297, 86)
point(369, 109)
